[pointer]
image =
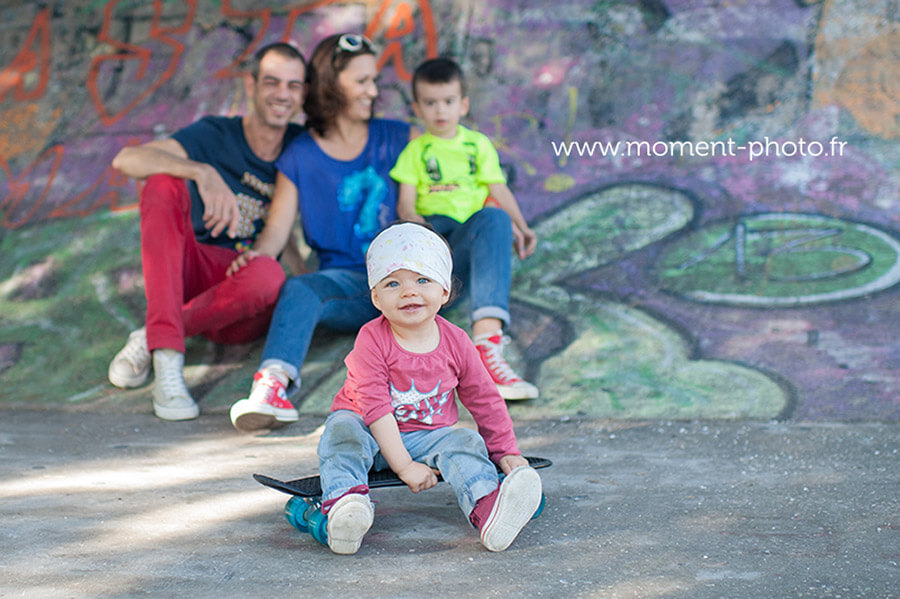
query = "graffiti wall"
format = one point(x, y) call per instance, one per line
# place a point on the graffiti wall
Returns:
point(714, 185)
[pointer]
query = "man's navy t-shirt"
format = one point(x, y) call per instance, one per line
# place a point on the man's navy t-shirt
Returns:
point(220, 142)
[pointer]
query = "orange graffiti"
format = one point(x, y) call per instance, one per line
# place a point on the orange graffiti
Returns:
point(265, 14)
point(112, 178)
point(21, 185)
point(128, 51)
point(29, 191)
point(24, 130)
point(869, 86)
point(401, 25)
point(19, 188)
point(27, 60)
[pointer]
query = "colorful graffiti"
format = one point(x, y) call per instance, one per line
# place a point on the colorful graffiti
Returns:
point(715, 185)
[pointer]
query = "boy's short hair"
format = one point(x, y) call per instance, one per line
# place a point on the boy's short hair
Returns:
point(438, 70)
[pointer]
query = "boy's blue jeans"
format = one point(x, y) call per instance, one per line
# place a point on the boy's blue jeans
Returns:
point(482, 259)
point(347, 451)
point(336, 298)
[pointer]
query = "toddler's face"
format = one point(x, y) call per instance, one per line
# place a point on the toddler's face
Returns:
point(408, 299)
point(441, 106)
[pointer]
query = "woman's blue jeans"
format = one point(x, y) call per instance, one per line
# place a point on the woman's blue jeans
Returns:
point(340, 300)
point(347, 451)
point(336, 298)
point(482, 259)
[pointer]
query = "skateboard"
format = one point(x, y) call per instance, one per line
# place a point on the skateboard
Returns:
point(310, 486)
point(303, 510)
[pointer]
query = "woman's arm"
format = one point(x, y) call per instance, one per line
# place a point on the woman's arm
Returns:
point(277, 230)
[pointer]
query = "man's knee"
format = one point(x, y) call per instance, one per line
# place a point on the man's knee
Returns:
point(163, 190)
point(161, 185)
point(265, 277)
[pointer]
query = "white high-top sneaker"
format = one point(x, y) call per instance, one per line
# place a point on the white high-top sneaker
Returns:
point(171, 398)
point(130, 367)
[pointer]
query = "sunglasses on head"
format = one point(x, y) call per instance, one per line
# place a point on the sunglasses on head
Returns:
point(353, 42)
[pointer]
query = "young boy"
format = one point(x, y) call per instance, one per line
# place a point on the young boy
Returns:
point(446, 176)
point(397, 409)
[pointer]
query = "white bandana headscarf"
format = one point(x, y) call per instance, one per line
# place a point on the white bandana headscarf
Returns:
point(412, 247)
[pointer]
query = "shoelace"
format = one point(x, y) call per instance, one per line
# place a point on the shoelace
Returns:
point(271, 385)
point(135, 352)
point(170, 378)
point(496, 362)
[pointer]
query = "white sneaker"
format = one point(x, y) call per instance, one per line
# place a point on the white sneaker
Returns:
point(131, 365)
point(349, 519)
point(517, 501)
point(171, 398)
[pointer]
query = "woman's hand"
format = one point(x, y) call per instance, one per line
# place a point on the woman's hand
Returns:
point(242, 260)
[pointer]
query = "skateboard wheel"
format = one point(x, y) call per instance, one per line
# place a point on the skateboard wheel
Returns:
point(540, 508)
point(305, 515)
point(294, 513)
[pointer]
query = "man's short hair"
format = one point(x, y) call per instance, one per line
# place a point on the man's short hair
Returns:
point(285, 49)
point(438, 70)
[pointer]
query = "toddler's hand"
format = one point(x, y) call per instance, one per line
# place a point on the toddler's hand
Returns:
point(508, 463)
point(418, 477)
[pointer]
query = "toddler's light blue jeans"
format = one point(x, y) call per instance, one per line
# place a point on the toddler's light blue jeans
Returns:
point(347, 451)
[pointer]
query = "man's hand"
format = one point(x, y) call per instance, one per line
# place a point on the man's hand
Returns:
point(220, 204)
point(417, 476)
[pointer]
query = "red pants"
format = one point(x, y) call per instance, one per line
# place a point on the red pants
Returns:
point(184, 280)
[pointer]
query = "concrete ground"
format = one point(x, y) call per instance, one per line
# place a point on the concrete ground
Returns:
point(125, 505)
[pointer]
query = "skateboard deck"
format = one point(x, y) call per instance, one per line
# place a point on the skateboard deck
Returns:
point(310, 486)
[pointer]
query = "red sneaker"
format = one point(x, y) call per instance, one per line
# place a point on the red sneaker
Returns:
point(267, 407)
point(510, 384)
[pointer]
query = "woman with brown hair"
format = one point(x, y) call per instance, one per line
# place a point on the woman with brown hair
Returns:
point(336, 174)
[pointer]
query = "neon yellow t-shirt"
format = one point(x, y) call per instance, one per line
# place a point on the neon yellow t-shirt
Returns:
point(451, 175)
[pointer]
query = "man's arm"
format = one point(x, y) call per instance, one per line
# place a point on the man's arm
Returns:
point(525, 239)
point(167, 157)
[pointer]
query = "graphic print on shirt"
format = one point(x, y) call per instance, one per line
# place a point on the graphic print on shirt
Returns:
point(416, 405)
point(433, 167)
point(366, 192)
point(253, 211)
